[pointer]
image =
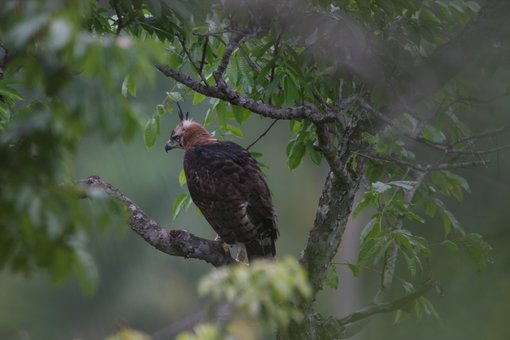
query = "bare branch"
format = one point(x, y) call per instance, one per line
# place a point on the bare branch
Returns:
point(459, 165)
point(173, 242)
point(490, 133)
point(416, 167)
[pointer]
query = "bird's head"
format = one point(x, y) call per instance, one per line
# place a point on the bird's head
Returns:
point(188, 134)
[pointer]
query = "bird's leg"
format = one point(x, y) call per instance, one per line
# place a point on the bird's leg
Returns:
point(241, 256)
point(225, 246)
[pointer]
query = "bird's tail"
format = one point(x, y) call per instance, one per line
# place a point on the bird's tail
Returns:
point(262, 248)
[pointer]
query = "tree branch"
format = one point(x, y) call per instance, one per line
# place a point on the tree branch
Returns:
point(306, 111)
point(332, 328)
point(386, 307)
point(172, 242)
point(234, 40)
point(190, 58)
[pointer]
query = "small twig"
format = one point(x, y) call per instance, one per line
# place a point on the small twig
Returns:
point(262, 135)
point(211, 34)
point(250, 62)
point(204, 50)
point(489, 133)
point(425, 167)
point(367, 106)
point(273, 67)
point(416, 167)
point(459, 165)
point(190, 58)
point(478, 152)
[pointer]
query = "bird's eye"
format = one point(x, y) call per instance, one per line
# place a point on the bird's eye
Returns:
point(176, 138)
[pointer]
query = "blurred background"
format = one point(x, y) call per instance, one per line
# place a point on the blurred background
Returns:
point(148, 290)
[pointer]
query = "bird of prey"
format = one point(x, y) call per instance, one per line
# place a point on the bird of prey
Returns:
point(226, 184)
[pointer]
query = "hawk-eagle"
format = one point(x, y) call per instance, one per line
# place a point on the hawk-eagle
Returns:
point(226, 184)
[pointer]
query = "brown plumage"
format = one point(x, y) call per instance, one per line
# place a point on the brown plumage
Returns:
point(226, 184)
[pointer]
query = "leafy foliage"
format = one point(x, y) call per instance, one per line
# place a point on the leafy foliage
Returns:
point(72, 69)
point(63, 82)
point(265, 292)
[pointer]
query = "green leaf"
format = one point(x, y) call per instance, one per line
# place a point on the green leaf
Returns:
point(372, 228)
point(160, 110)
point(197, 98)
point(449, 183)
point(273, 86)
point(315, 155)
point(151, 131)
point(295, 154)
point(380, 187)
point(290, 91)
point(452, 247)
point(5, 114)
point(367, 200)
point(9, 94)
point(331, 280)
point(174, 96)
point(128, 87)
point(424, 306)
point(400, 316)
point(182, 178)
point(478, 250)
point(182, 202)
point(355, 269)
point(240, 113)
point(411, 264)
point(449, 221)
point(234, 130)
point(433, 134)
point(473, 5)
point(373, 249)
point(88, 276)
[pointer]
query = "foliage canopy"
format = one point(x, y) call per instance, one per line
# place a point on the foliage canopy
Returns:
point(372, 88)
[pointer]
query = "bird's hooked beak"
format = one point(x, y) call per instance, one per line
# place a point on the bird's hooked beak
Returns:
point(172, 144)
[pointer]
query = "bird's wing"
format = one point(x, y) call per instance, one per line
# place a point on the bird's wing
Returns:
point(226, 183)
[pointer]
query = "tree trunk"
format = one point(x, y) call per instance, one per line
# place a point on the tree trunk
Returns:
point(331, 219)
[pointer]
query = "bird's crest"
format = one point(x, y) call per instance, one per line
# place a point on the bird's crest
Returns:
point(182, 117)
